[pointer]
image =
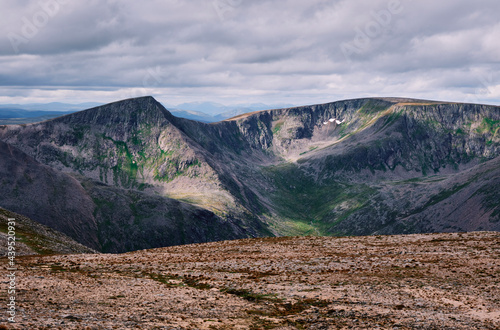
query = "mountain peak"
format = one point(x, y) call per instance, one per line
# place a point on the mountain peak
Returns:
point(130, 111)
point(130, 103)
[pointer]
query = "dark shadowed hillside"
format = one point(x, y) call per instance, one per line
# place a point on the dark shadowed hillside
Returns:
point(34, 238)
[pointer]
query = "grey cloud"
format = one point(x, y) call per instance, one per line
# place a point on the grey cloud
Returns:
point(259, 48)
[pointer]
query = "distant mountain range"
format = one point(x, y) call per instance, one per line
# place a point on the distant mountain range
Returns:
point(12, 114)
point(213, 112)
point(130, 175)
point(208, 112)
point(53, 106)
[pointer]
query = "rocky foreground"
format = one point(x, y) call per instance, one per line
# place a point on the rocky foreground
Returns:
point(436, 281)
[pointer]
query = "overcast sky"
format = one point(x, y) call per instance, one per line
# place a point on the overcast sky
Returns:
point(248, 51)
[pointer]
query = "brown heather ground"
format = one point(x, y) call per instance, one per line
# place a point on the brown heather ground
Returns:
point(439, 281)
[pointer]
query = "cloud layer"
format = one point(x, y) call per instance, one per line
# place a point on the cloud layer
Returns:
point(237, 51)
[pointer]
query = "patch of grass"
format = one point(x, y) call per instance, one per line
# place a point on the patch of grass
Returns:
point(310, 149)
point(196, 283)
point(298, 307)
point(31, 238)
point(250, 296)
point(277, 127)
point(488, 125)
point(178, 281)
point(491, 124)
point(440, 197)
point(390, 119)
point(171, 162)
point(373, 107)
point(135, 140)
point(126, 169)
point(490, 197)
point(164, 279)
point(58, 268)
point(282, 309)
point(445, 194)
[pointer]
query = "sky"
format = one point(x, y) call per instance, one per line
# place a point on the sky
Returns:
point(249, 51)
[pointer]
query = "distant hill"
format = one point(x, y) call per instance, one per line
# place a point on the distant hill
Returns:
point(210, 112)
point(19, 116)
point(53, 106)
point(130, 175)
point(15, 114)
point(214, 109)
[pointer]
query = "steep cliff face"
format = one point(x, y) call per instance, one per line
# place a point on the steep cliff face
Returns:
point(351, 167)
point(290, 133)
point(115, 144)
point(361, 176)
point(470, 129)
point(462, 129)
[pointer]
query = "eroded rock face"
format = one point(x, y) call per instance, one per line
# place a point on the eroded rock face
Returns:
point(357, 167)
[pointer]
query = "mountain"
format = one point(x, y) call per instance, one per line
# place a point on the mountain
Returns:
point(34, 238)
point(52, 106)
point(207, 112)
point(102, 217)
point(14, 114)
point(19, 116)
point(211, 112)
point(113, 195)
point(138, 177)
point(193, 115)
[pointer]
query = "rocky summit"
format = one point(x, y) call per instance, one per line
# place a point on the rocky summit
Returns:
point(130, 175)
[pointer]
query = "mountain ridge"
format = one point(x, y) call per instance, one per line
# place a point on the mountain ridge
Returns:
point(329, 169)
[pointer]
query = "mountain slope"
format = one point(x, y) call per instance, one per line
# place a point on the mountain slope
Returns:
point(45, 195)
point(354, 167)
point(34, 238)
point(105, 218)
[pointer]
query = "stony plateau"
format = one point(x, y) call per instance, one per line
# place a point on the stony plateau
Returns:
point(420, 281)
